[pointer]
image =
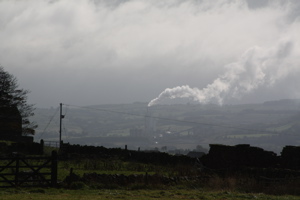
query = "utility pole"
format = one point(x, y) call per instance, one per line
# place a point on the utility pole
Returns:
point(60, 120)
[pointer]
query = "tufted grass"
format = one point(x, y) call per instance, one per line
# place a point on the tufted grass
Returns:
point(169, 194)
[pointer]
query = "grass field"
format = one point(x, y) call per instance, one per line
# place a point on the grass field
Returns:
point(181, 181)
point(171, 194)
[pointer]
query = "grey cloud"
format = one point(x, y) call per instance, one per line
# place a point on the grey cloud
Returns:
point(255, 4)
point(91, 52)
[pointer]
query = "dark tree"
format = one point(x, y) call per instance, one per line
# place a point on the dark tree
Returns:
point(12, 96)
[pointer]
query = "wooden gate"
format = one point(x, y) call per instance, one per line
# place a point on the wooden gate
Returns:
point(22, 171)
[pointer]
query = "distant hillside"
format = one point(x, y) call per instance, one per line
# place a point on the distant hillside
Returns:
point(269, 125)
point(285, 103)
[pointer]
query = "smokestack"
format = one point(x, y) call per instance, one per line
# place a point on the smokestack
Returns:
point(150, 123)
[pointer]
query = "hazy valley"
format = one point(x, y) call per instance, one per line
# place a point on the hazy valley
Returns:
point(270, 125)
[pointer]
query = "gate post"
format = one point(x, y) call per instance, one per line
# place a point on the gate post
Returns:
point(54, 169)
point(17, 170)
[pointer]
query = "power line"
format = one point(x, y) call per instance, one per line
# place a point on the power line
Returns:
point(174, 120)
point(105, 110)
point(48, 124)
point(64, 129)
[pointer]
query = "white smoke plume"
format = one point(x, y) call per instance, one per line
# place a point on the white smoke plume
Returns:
point(257, 67)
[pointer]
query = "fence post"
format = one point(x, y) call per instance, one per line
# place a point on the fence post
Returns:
point(146, 178)
point(42, 144)
point(54, 169)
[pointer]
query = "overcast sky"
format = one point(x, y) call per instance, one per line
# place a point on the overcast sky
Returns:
point(121, 51)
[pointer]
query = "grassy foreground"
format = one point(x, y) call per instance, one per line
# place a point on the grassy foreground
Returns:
point(87, 194)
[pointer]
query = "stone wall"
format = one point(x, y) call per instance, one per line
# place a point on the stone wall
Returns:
point(224, 157)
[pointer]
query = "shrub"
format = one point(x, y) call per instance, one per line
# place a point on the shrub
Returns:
point(78, 185)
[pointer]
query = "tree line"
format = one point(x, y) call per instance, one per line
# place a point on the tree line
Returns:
point(12, 96)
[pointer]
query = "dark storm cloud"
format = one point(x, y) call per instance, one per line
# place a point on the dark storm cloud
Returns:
point(91, 52)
